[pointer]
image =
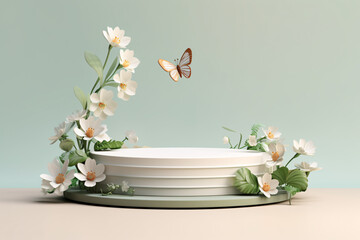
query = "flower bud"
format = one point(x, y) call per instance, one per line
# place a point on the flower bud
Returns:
point(67, 145)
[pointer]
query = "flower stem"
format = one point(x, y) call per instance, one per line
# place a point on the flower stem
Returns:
point(88, 147)
point(106, 59)
point(240, 141)
point(109, 78)
point(295, 156)
point(260, 139)
point(84, 145)
point(231, 146)
point(107, 56)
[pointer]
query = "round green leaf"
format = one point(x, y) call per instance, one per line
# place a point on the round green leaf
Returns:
point(74, 157)
point(297, 179)
point(281, 175)
point(246, 182)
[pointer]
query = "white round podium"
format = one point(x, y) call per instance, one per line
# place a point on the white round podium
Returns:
point(180, 172)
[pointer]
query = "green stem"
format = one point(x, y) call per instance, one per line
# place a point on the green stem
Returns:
point(88, 147)
point(240, 141)
point(107, 55)
point(295, 156)
point(109, 78)
point(106, 59)
point(231, 146)
point(78, 142)
point(84, 145)
point(97, 80)
point(260, 139)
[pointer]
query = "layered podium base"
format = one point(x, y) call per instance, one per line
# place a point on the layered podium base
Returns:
point(173, 202)
point(181, 172)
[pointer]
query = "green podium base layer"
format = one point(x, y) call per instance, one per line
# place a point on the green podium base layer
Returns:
point(173, 202)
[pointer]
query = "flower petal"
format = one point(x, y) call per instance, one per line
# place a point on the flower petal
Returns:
point(90, 183)
point(99, 169)
point(47, 177)
point(82, 168)
point(90, 165)
point(80, 176)
point(79, 132)
point(95, 98)
point(100, 178)
point(54, 184)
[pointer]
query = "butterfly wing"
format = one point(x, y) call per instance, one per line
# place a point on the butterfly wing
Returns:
point(171, 68)
point(174, 74)
point(167, 66)
point(185, 70)
point(184, 63)
point(186, 58)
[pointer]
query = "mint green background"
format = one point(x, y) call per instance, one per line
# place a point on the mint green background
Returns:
point(292, 64)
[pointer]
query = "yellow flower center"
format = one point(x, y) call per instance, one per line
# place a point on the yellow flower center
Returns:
point(123, 86)
point(275, 156)
point(116, 40)
point(102, 105)
point(60, 178)
point(126, 63)
point(266, 187)
point(270, 135)
point(90, 176)
point(89, 132)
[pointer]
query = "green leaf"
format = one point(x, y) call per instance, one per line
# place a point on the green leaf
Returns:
point(74, 157)
point(255, 129)
point(95, 63)
point(112, 84)
point(81, 96)
point(107, 145)
point(111, 68)
point(281, 175)
point(295, 178)
point(74, 182)
point(246, 182)
point(292, 190)
point(228, 129)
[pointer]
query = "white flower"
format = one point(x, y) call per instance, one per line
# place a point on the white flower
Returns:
point(308, 167)
point(131, 136)
point(46, 187)
point(127, 87)
point(60, 130)
point(128, 61)
point(90, 172)
point(92, 128)
point(267, 185)
point(303, 147)
point(76, 116)
point(226, 140)
point(124, 186)
point(59, 179)
point(272, 133)
point(276, 151)
point(102, 104)
point(252, 140)
point(116, 37)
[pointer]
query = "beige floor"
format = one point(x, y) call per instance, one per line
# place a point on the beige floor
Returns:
point(316, 214)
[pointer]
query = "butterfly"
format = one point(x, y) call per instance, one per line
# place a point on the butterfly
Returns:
point(181, 68)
